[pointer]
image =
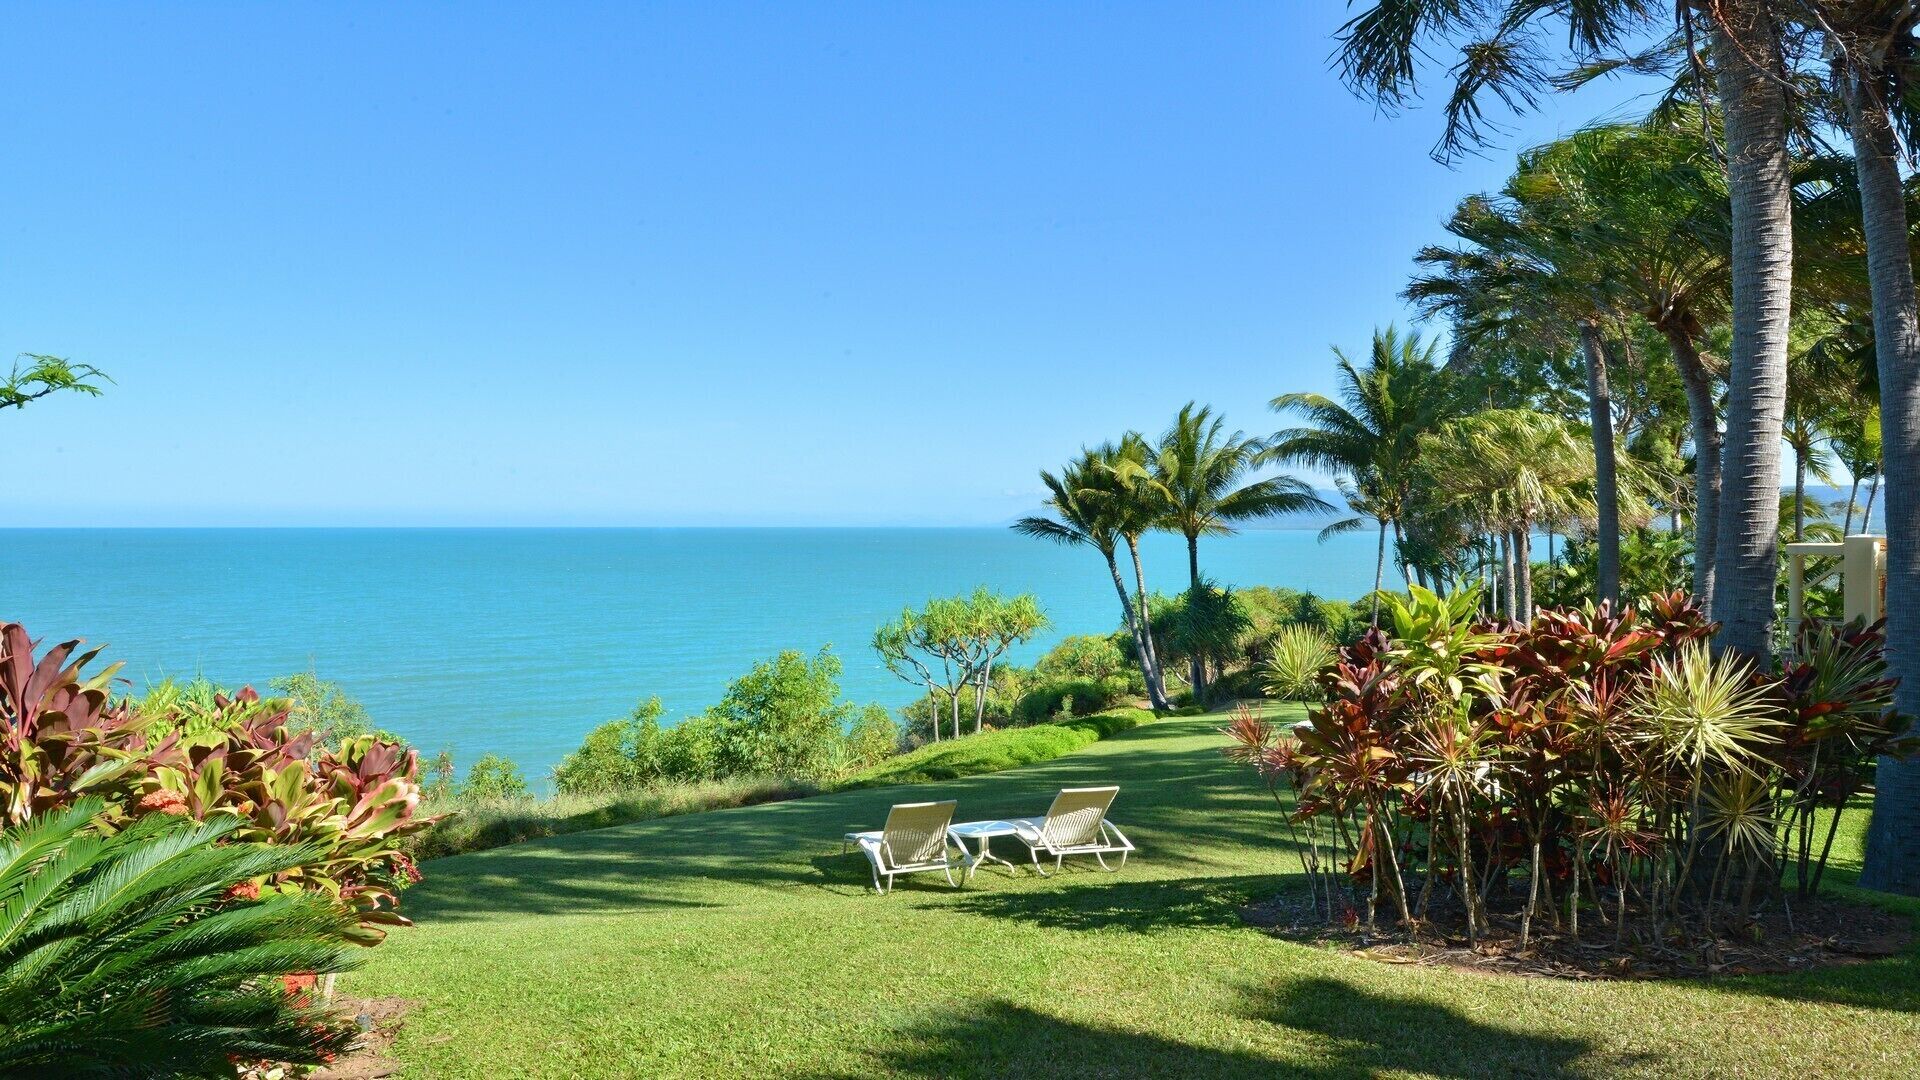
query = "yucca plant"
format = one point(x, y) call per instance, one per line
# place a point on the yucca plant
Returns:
point(150, 952)
point(1300, 654)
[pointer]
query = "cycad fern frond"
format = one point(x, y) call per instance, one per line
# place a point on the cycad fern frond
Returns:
point(129, 955)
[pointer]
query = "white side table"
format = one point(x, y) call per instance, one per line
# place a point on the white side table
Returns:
point(982, 831)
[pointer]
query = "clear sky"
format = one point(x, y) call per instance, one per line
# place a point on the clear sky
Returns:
point(697, 263)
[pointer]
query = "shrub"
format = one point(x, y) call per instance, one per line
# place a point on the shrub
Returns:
point(346, 808)
point(496, 778)
point(153, 951)
point(1583, 752)
point(783, 718)
point(1095, 659)
point(1300, 653)
point(1070, 697)
point(873, 738)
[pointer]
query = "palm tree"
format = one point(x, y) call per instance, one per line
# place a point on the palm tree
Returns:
point(1876, 50)
point(1523, 272)
point(1503, 46)
point(1082, 500)
point(1195, 473)
point(1513, 469)
point(1370, 437)
point(1646, 206)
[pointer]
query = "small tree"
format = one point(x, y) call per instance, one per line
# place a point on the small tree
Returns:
point(954, 642)
point(784, 717)
point(998, 623)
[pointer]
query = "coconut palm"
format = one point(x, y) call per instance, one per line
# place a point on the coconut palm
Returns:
point(1646, 208)
point(1512, 469)
point(1876, 50)
point(1503, 46)
point(1195, 473)
point(1082, 501)
point(1524, 273)
point(1370, 437)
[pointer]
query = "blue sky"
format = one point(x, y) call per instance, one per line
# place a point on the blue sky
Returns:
point(677, 264)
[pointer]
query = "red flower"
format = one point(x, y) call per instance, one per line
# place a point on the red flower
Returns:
point(163, 801)
point(245, 890)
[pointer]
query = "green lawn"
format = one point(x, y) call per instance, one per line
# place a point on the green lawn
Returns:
point(741, 943)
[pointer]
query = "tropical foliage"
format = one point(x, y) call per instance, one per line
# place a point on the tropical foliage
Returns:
point(1582, 760)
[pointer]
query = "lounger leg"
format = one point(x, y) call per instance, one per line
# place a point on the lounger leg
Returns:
point(1103, 863)
point(1056, 862)
point(1035, 852)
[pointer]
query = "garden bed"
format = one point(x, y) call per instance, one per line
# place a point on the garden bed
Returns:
point(1827, 934)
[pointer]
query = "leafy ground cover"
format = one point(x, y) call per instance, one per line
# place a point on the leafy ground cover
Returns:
point(742, 943)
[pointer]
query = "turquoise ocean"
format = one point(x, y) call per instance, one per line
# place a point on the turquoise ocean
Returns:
point(518, 641)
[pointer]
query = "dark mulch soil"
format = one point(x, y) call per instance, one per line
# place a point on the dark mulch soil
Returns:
point(1827, 934)
point(380, 1019)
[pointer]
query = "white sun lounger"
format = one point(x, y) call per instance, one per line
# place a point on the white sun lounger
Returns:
point(1076, 824)
point(913, 840)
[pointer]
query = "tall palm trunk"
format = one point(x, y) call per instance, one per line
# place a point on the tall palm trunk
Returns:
point(1853, 503)
point(1379, 570)
point(1156, 696)
point(1893, 837)
point(1747, 61)
point(1196, 664)
point(1157, 680)
point(1606, 485)
point(1506, 575)
point(1799, 493)
point(1523, 570)
point(1705, 426)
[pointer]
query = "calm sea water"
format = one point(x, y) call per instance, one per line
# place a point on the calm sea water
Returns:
point(518, 641)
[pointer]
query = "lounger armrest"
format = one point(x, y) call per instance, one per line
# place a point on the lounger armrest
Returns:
point(1108, 826)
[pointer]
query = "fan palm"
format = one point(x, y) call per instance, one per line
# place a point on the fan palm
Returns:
point(131, 955)
point(1195, 473)
point(1087, 510)
point(1370, 437)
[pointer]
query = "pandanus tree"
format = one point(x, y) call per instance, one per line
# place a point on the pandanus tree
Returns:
point(1082, 511)
point(1370, 436)
point(1197, 473)
point(1505, 48)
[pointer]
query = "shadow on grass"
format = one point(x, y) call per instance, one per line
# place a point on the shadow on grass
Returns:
point(1114, 903)
point(1361, 1035)
point(1183, 805)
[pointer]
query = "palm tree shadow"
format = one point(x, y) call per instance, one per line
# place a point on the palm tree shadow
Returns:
point(1362, 1035)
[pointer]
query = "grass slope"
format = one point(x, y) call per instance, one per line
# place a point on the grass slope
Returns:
point(741, 943)
point(997, 751)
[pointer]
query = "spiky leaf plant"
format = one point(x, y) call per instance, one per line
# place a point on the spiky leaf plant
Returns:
point(151, 952)
point(1701, 712)
point(1300, 654)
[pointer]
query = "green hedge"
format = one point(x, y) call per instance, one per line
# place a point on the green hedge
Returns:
point(993, 751)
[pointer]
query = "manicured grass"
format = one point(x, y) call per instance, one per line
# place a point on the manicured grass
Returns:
point(996, 751)
point(742, 943)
